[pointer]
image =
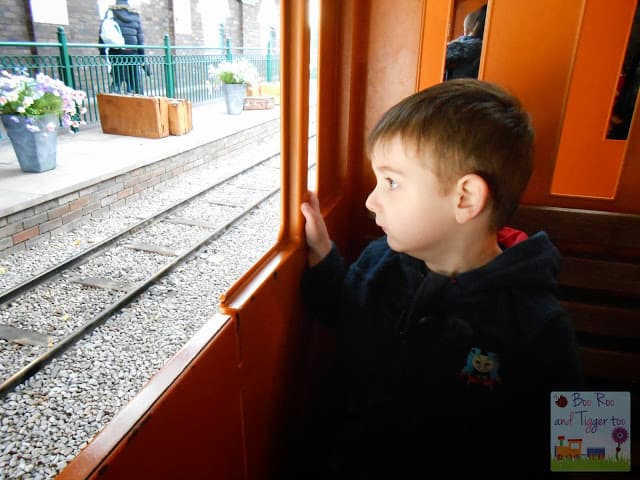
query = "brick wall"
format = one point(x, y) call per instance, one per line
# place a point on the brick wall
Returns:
point(24, 229)
point(241, 27)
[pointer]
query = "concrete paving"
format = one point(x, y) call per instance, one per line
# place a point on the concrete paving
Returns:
point(91, 156)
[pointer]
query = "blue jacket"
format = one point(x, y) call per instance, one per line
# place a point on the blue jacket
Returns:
point(463, 57)
point(437, 370)
point(130, 24)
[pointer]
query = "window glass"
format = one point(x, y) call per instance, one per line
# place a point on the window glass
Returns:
point(627, 88)
point(465, 49)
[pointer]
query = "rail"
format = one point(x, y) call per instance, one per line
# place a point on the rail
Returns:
point(169, 70)
point(132, 290)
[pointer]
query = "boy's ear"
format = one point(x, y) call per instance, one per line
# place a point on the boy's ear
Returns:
point(472, 196)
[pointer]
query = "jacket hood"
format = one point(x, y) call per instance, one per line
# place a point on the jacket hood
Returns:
point(523, 273)
point(530, 264)
point(123, 6)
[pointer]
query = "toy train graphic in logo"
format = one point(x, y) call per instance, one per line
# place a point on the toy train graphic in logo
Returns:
point(573, 449)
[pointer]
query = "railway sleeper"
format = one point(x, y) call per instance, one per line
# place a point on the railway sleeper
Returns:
point(23, 336)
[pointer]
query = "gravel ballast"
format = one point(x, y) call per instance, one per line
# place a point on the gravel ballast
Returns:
point(46, 421)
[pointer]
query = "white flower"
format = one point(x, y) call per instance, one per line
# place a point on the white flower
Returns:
point(237, 71)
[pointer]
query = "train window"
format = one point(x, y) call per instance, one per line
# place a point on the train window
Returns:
point(296, 107)
point(627, 89)
point(261, 184)
point(464, 50)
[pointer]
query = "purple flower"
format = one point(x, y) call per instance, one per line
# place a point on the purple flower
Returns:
point(619, 435)
point(30, 97)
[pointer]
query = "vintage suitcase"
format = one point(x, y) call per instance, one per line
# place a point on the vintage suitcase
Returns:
point(134, 115)
point(180, 118)
point(271, 89)
point(258, 103)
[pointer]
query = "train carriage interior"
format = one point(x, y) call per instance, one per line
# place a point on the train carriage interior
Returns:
point(227, 405)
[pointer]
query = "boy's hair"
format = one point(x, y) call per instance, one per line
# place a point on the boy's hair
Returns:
point(469, 126)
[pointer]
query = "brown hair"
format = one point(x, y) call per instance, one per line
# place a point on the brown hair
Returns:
point(470, 126)
point(474, 22)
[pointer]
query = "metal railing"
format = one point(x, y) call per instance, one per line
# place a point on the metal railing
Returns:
point(165, 70)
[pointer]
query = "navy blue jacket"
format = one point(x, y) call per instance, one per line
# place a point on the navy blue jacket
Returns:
point(130, 25)
point(437, 370)
point(463, 57)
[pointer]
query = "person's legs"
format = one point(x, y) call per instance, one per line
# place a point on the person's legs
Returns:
point(129, 78)
point(132, 74)
point(117, 70)
point(136, 81)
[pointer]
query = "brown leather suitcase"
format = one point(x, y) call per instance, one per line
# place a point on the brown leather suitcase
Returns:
point(180, 117)
point(134, 115)
point(258, 103)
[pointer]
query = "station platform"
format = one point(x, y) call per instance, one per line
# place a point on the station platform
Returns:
point(91, 156)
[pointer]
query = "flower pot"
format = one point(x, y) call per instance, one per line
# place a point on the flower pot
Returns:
point(34, 139)
point(234, 94)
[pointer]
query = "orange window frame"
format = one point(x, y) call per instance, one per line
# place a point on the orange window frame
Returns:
point(588, 163)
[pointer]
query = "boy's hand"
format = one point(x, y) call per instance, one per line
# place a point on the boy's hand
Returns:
point(315, 230)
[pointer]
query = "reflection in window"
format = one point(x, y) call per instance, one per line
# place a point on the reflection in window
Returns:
point(463, 53)
point(627, 89)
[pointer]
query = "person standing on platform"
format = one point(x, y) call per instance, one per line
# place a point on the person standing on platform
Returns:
point(126, 62)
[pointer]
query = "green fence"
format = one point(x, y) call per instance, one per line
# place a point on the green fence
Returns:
point(165, 70)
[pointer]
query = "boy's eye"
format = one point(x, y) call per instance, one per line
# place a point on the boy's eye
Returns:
point(391, 183)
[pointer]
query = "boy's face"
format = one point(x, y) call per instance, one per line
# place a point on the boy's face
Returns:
point(409, 201)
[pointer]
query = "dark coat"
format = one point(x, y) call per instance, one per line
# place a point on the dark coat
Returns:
point(463, 57)
point(130, 24)
point(442, 372)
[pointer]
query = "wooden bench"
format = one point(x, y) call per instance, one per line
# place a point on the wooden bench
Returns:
point(600, 288)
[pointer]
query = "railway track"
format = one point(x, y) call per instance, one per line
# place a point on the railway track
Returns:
point(49, 417)
point(193, 222)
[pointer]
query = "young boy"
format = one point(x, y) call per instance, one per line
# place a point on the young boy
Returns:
point(449, 342)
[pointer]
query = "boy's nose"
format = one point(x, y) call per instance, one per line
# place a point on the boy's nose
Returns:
point(370, 202)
